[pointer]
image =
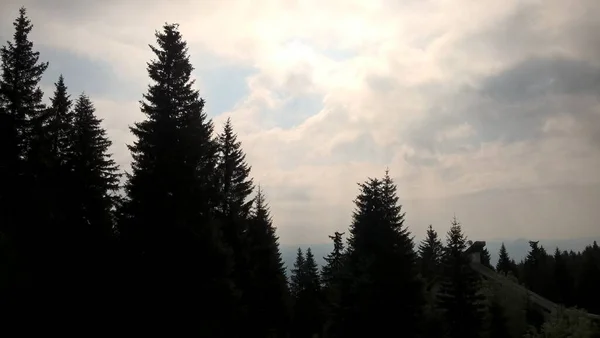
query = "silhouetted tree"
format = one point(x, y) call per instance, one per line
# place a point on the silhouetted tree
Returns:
point(459, 297)
point(381, 287)
point(233, 207)
point(505, 264)
point(169, 216)
point(588, 294)
point(234, 175)
point(331, 278)
point(312, 282)
point(23, 195)
point(334, 261)
point(96, 177)
point(92, 180)
point(563, 280)
point(268, 305)
point(430, 255)
point(59, 121)
point(485, 258)
point(58, 126)
point(297, 276)
point(308, 303)
point(536, 270)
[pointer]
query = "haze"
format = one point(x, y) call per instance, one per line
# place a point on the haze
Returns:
point(488, 110)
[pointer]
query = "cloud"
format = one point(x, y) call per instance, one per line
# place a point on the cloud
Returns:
point(475, 106)
point(543, 77)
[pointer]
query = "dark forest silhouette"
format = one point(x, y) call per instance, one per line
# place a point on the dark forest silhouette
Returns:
point(188, 241)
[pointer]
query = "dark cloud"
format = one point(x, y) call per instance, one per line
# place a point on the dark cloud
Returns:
point(534, 78)
point(514, 104)
point(518, 101)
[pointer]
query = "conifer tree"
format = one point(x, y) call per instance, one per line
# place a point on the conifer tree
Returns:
point(268, 305)
point(169, 216)
point(430, 254)
point(234, 175)
point(588, 294)
point(459, 297)
point(504, 264)
point(59, 121)
point(381, 287)
point(308, 303)
point(536, 272)
point(297, 277)
point(332, 278)
point(21, 96)
point(485, 258)
point(90, 182)
point(95, 173)
point(563, 279)
point(57, 180)
point(23, 197)
point(311, 281)
point(334, 262)
point(233, 206)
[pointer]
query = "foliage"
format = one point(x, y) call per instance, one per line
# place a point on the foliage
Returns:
point(430, 255)
point(459, 296)
point(568, 322)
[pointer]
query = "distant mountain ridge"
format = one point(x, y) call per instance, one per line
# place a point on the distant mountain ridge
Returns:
point(517, 249)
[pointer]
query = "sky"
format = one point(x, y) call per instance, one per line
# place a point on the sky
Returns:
point(487, 110)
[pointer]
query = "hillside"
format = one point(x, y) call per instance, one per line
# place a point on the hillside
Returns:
point(517, 249)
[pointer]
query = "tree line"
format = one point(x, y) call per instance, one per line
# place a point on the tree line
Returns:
point(187, 240)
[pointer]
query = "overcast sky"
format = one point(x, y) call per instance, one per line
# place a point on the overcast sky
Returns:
point(489, 110)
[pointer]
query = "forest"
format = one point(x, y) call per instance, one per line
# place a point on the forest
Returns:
point(184, 240)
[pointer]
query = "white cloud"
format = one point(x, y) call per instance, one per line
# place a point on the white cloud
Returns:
point(412, 70)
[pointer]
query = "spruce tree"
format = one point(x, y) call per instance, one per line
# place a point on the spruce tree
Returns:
point(297, 277)
point(234, 175)
point(90, 182)
point(588, 294)
point(334, 262)
point(381, 287)
point(308, 309)
point(332, 278)
point(536, 271)
point(563, 280)
point(233, 207)
point(57, 181)
point(311, 281)
point(459, 297)
point(485, 258)
point(59, 123)
point(268, 305)
point(430, 255)
point(21, 96)
point(504, 264)
point(23, 195)
point(169, 217)
point(95, 173)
